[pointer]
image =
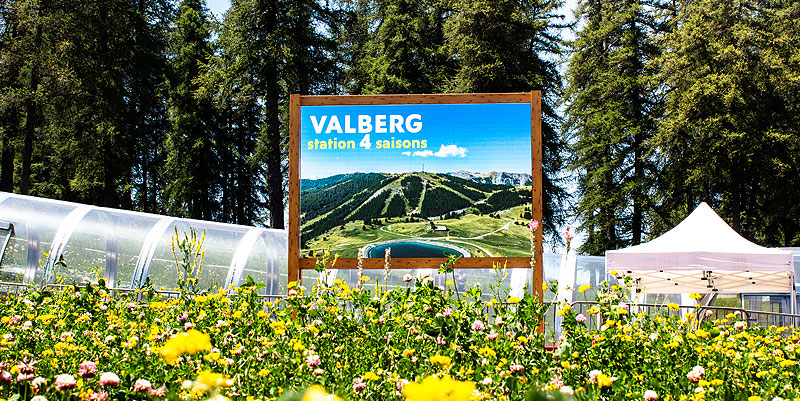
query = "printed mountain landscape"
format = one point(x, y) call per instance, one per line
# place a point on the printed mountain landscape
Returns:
point(361, 208)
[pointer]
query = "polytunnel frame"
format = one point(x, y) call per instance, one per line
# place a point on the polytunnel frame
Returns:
point(146, 253)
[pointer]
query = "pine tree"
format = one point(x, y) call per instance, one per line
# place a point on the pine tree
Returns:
point(191, 166)
point(612, 114)
point(146, 111)
point(404, 52)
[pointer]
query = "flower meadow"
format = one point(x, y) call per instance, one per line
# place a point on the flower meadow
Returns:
point(415, 342)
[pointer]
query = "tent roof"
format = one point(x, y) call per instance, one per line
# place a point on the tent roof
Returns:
point(702, 253)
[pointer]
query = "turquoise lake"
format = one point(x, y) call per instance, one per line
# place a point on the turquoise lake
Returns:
point(412, 250)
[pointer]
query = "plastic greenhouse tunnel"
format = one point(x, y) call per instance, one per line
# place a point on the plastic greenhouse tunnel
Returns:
point(47, 241)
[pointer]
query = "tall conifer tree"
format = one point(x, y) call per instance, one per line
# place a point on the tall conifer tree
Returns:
point(191, 166)
point(611, 115)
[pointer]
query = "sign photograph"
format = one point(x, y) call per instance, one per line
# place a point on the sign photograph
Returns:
point(426, 180)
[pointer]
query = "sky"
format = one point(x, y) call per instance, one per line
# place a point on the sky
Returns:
point(436, 138)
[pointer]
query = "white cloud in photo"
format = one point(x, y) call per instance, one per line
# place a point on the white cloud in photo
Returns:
point(451, 151)
point(444, 151)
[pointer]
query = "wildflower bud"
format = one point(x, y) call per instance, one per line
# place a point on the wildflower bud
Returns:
point(65, 382)
point(477, 325)
point(142, 386)
point(313, 360)
point(109, 379)
point(87, 369)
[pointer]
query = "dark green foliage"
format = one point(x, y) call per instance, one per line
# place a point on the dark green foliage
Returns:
point(730, 132)
point(461, 188)
point(322, 200)
point(477, 185)
point(396, 207)
point(508, 198)
point(412, 188)
point(342, 208)
point(395, 46)
point(439, 201)
point(82, 101)
point(192, 166)
point(371, 208)
point(612, 115)
point(307, 186)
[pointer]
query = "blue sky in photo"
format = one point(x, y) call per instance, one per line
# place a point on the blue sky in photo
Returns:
point(472, 137)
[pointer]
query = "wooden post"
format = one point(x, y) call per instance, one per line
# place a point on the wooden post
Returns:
point(537, 211)
point(294, 188)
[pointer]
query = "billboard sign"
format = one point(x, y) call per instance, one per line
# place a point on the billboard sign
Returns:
point(425, 175)
point(426, 180)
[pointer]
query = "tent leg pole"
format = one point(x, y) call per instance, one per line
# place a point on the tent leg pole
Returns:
point(793, 300)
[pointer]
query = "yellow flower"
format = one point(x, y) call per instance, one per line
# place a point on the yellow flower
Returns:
point(439, 389)
point(487, 352)
point(673, 306)
point(371, 376)
point(584, 287)
point(695, 295)
point(544, 286)
point(208, 378)
point(317, 393)
point(513, 300)
point(189, 342)
point(441, 360)
point(158, 305)
point(448, 282)
point(604, 381)
point(408, 352)
point(754, 398)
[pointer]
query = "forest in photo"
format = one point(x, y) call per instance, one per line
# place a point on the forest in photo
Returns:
point(649, 106)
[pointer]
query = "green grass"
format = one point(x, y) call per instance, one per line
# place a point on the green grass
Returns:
point(513, 241)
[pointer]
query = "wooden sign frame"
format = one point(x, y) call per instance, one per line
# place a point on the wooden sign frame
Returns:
point(297, 264)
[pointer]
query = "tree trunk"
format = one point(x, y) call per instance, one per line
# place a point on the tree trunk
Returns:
point(7, 172)
point(274, 173)
point(31, 112)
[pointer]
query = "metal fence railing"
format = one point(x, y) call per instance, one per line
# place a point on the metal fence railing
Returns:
point(14, 289)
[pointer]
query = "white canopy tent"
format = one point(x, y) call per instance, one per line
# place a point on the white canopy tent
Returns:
point(703, 254)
